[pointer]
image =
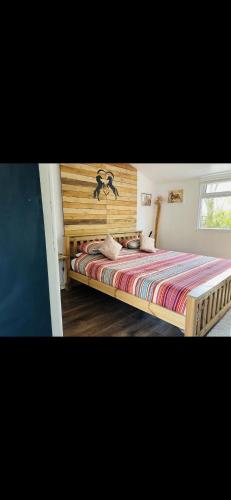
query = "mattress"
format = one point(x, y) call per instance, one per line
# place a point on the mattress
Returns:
point(164, 278)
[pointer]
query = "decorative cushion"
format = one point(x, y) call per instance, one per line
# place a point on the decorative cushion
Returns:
point(110, 248)
point(92, 247)
point(147, 244)
point(131, 244)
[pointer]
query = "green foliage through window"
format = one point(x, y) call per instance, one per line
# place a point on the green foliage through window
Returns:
point(220, 220)
point(216, 210)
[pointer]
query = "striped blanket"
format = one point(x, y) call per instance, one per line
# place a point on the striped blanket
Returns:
point(164, 278)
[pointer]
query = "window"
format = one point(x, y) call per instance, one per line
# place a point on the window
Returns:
point(215, 205)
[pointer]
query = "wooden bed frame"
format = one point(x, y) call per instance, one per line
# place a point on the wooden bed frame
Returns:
point(206, 304)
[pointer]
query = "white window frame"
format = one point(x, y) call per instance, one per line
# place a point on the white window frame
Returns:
point(204, 195)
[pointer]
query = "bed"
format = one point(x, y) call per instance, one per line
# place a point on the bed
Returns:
point(189, 291)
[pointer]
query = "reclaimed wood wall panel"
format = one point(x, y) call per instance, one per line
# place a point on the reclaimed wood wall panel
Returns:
point(116, 208)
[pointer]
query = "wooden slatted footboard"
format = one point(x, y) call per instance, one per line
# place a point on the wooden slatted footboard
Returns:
point(207, 304)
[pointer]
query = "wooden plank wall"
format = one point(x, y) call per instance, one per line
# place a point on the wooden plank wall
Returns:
point(84, 215)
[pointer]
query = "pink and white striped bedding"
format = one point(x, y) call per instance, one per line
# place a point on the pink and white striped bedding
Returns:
point(164, 278)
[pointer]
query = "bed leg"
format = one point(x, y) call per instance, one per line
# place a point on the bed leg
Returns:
point(191, 317)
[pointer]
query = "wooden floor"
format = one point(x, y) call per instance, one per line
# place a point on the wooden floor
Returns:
point(90, 313)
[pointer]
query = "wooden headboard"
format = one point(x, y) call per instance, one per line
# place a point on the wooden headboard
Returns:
point(71, 242)
point(98, 198)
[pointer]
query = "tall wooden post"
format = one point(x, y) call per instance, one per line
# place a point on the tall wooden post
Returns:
point(158, 203)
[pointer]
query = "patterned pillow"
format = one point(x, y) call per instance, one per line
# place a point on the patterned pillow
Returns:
point(131, 244)
point(92, 247)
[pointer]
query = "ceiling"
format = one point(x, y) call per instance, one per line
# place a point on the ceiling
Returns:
point(168, 172)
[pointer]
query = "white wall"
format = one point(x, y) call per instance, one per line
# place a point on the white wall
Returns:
point(145, 215)
point(178, 224)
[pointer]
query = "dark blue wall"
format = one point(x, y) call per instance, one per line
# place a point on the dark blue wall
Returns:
point(24, 294)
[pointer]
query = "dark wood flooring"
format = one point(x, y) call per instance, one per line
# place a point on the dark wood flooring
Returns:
point(90, 313)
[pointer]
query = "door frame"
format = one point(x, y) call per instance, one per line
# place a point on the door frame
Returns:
point(48, 202)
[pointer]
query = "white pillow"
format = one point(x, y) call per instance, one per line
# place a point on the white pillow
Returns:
point(147, 244)
point(110, 248)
